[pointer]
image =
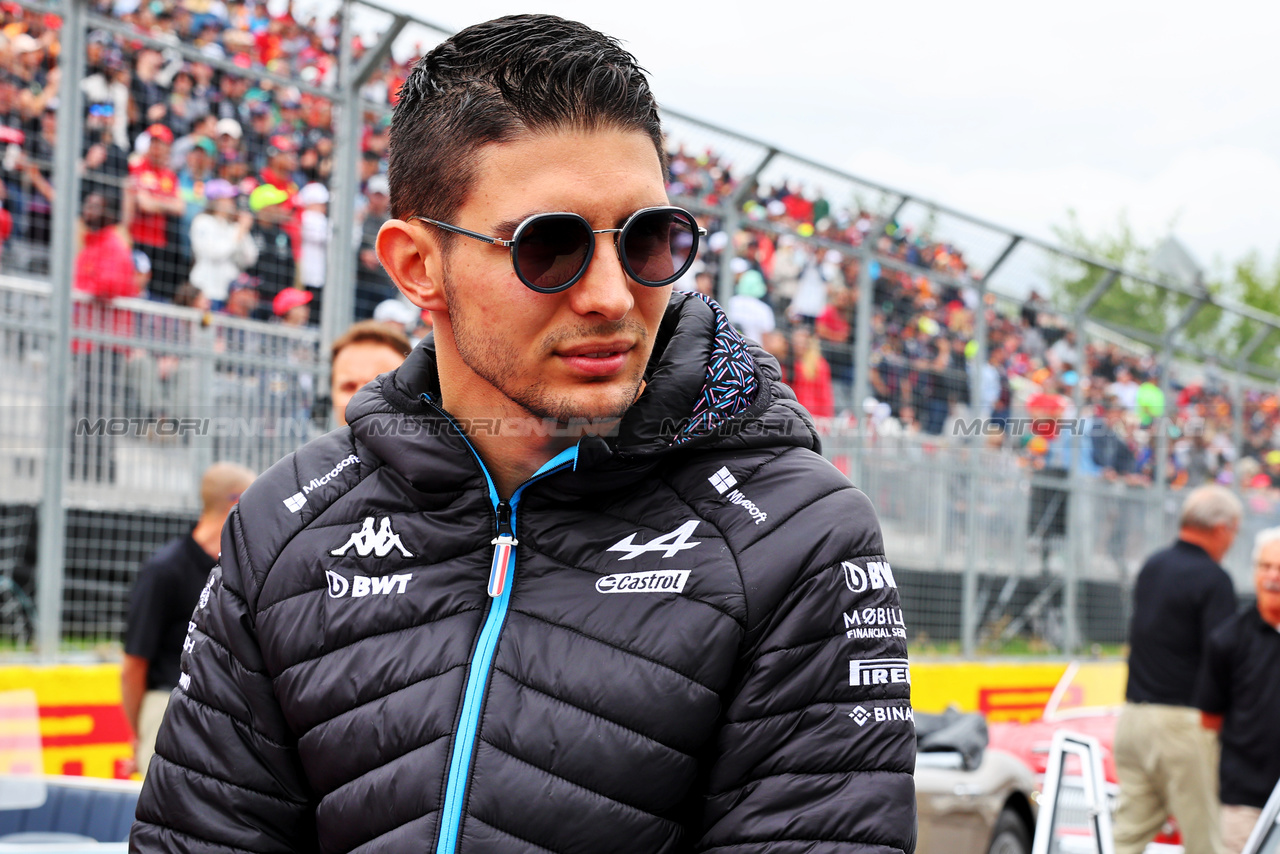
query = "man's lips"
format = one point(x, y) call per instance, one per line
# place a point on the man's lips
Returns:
point(596, 359)
point(598, 349)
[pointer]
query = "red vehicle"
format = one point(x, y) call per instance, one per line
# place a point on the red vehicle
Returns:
point(1086, 700)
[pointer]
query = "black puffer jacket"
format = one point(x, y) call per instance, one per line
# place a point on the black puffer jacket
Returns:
point(696, 644)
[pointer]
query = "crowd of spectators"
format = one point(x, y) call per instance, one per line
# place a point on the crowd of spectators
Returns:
point(209, 189)
point(216, 181)
point(800, 300)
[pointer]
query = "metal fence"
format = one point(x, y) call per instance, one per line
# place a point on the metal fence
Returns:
point(949, 392)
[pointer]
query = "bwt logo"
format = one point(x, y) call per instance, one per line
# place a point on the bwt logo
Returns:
point(363, 585)
point(879, 671)
point(876, 576)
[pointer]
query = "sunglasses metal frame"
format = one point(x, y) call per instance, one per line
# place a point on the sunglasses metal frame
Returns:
point(619, 235)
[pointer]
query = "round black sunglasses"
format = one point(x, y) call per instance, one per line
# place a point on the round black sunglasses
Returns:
point(551, 251)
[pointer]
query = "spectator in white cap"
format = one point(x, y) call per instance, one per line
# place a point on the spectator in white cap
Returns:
point(398, 312)
point(220, 242)
point(229, 133)
point(373, 285)
point(313, 200)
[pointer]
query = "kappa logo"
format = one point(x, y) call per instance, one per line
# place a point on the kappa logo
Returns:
point(366, 542)
point(658, 581)
point(879, 671)
point(669, 544)
point(862, 716)
point(298, 500)
point(363, 585)
point(876, 576)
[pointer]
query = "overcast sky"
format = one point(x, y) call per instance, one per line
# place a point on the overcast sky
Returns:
point(1014, 112)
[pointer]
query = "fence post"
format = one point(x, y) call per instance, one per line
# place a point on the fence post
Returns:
point(969, 578)
point(52, 544)
point(339, 289)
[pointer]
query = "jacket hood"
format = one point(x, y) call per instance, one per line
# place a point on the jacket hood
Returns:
point(706, 386)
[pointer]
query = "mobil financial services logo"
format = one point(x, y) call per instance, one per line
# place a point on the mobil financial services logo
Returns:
point(879, 671)
point(873, 623)
point(296, 501)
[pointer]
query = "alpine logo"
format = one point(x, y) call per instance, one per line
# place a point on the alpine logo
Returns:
point(366, 542)
point(879, 671)
point(722, 480)
point(862, 716)
point(669, 544)
point(876, 576)
point(296, 501)
point(658, 581)
point(363, 585)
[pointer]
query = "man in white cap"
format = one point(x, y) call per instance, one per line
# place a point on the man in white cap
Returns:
point(313, 200)
point(373, 285)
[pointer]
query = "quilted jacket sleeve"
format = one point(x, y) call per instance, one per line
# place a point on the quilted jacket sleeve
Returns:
point(225, 776)
point(817, 751)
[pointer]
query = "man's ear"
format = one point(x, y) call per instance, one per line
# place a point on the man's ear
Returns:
point(411, 256)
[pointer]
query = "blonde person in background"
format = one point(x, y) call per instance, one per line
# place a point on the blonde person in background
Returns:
point(164, 596)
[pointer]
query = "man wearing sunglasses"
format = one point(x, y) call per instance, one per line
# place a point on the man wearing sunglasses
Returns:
point(573, 578)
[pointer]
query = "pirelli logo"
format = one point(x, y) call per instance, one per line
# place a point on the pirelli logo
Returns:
point(879, 671)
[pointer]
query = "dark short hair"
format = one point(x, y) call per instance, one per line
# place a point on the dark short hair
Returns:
point(371, 332)
point(496, 82)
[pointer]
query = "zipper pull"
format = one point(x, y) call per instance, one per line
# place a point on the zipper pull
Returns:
point(504, 552)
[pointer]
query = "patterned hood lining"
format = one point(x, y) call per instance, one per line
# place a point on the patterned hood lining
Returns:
point(731, 385)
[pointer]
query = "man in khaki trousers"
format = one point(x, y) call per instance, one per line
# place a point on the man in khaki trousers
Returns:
point(1165, 760)
point(160, 607)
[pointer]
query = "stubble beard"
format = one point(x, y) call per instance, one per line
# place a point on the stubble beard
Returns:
point(498, 364)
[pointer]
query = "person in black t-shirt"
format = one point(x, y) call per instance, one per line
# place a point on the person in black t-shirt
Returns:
point(1239, 694)
point(164, 596)
point(1165, 760)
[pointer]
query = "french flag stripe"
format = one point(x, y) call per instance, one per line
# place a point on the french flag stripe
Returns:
point(503, 554)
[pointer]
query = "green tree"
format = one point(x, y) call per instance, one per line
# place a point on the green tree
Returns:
point(1146, 311)
point(1257, 285)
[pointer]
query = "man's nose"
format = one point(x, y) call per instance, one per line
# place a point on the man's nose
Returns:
point(605, 289)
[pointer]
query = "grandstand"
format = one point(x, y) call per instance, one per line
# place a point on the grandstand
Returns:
point(1024, 453)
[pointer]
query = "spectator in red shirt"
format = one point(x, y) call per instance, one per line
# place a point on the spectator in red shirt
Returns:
point(810, 375)
point(157, 205)
point(104, 271)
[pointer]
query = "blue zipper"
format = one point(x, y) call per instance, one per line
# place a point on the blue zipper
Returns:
point(501, 577)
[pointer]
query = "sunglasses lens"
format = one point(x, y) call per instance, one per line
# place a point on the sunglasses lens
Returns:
point(659, 245)
point(551, 251)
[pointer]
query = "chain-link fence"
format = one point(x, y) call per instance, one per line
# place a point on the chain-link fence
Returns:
point(186, 230)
